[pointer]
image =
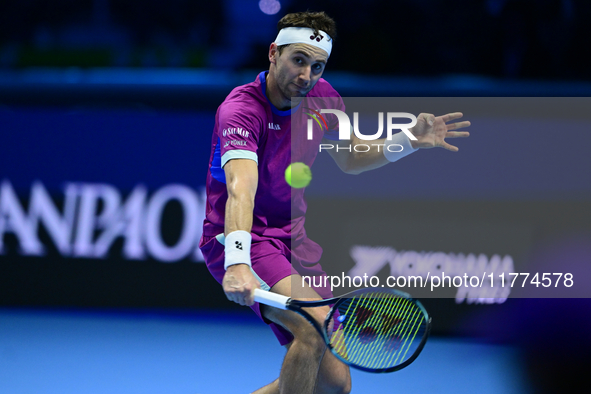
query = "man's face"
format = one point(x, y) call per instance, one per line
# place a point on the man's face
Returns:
point(298, 68)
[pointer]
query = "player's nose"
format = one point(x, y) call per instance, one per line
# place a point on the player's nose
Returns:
point(305, 76)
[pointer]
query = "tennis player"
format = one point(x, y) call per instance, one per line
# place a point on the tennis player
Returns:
point(250, 237)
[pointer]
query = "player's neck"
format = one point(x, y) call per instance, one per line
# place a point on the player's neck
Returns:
point(274, 94)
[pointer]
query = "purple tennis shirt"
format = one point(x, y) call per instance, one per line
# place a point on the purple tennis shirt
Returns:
point(248, 126)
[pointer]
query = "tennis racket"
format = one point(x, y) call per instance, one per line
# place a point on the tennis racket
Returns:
point(376, 330)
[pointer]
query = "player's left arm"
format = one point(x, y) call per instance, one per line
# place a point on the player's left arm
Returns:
point(430, 132)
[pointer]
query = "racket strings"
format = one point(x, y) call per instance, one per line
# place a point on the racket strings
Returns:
point(381, 355)
point(368, 352)
point(388, 335)
point(373, 354)
point(378, 332)
point(354, 326)
point(351, 326)
point(417, 324)
point(410, 330)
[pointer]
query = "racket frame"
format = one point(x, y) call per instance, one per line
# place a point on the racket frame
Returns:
point(298, 305)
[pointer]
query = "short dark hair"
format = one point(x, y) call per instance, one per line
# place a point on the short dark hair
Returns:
point(314, 20)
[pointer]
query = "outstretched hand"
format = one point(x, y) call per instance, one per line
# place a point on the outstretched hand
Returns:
point(431, 131)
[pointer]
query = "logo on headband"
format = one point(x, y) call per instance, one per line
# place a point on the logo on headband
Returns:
point(316, 36)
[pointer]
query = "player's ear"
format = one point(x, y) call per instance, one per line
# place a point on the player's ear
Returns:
point(273, 53)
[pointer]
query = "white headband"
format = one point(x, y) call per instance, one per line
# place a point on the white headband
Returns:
point(304, 35)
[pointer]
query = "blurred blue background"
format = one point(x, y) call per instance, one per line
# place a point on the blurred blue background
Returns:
point(106, 114)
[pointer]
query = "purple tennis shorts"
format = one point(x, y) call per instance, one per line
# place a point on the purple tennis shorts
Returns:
point(270, 260)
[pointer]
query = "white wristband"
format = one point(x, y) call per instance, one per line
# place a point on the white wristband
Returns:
point(398, 147)
point(237, 248)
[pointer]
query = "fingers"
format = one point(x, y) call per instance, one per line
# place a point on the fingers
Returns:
point(233, 294)
point(457, 134)
point(452, 116)
point(243, 295)
point(429, 118)
point(249, 299)
point(459, 125)
point(239, 284)
point(449, 147)
point(455, 126)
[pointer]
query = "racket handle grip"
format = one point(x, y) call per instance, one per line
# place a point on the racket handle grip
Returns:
point(272, 299)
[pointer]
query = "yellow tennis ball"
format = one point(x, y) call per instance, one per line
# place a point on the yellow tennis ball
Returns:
point(298, 175)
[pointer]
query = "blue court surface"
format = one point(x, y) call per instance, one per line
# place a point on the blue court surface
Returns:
point(83, 352)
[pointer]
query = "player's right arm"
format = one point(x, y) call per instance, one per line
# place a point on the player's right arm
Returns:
point(241, 182)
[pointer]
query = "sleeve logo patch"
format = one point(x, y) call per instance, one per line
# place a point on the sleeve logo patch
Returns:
point(235, 130)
